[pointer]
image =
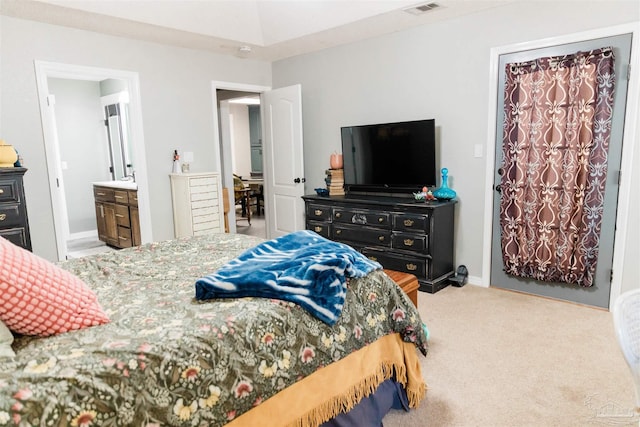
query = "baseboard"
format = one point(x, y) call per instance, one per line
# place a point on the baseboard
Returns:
point(83, 235)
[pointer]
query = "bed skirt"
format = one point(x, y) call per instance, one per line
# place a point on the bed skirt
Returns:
point(340, 386)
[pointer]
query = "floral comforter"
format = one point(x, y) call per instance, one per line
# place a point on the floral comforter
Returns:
point(165, 359)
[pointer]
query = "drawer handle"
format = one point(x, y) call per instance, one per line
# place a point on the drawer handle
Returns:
point(120, 215)
point(122, 238)
point(408, 242)
point(3, 217)
point(372, 258)
point(317, 229)
point(338, 214)
point(318, 212)
point(119, 197)
point(338, 231)
point(100, 194)
point(412, 267)
point(381, 238)
point(380, 219)
point(408, 222)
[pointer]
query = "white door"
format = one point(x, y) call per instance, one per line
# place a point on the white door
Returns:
point(283, 159)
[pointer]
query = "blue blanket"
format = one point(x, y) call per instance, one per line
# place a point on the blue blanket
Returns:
point(300, 267)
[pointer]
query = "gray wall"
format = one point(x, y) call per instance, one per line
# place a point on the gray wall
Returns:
point(436, 71)
point(83, 147)
point(175, 86)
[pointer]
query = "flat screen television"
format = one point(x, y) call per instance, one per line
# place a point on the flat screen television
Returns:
point(389, 157)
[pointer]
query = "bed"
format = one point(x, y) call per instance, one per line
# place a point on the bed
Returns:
point(165, 358)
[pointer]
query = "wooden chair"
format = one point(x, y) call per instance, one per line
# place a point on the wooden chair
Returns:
point(225, 208)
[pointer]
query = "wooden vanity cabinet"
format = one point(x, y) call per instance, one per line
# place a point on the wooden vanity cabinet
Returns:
point(117, 216)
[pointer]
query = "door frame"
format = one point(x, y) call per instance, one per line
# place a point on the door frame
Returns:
point(629, 135)
point(44, 70)
point(222, 146)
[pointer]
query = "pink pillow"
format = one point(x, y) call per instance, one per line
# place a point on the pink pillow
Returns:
point(40, 298)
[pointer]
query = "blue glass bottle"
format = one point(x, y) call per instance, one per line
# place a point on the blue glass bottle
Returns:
point(444, 192)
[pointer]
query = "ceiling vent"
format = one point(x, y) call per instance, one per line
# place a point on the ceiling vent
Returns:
point(422, 8)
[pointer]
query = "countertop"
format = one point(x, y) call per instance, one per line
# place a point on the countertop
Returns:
point(124, 185)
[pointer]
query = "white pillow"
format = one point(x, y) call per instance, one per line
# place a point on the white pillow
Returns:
point(6, 338)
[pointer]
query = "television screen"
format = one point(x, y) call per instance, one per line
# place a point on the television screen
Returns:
point(389, 157)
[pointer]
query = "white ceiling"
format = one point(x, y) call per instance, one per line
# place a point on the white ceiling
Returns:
point(272, 29)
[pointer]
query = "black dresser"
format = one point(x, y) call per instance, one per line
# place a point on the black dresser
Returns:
point(401, 234)
point(14, 225)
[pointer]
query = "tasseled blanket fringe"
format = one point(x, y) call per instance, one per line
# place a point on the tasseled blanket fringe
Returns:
point(345, 402)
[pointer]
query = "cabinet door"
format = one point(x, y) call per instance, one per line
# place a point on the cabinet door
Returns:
point(101, 222)
point(135, 226)
point(256, 159)
point(110, 224)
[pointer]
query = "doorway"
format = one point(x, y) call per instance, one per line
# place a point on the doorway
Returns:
point(283, 171)
point(241, 135)
point(600, 294)
point(61, 195)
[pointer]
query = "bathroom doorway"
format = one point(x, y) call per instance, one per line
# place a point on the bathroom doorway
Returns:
point(59, 169)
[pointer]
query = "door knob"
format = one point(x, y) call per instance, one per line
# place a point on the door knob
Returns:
point(498, 188)
point(297, 180)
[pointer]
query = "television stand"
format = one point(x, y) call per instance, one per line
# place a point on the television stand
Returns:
point(402, 234)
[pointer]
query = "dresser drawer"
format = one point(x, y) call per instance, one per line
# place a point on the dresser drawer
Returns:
point(322, 228)
point(133, 197)
point(318, 212)
point(121, 196)
point(206, 227)
point(409, 222)
point(10, 215)
point(360, 234)
point(103, 194)
point(420, 266)
point(194, 183)
point(17, 236)
point(9, 190)
point(410, 242)
point(124, 237)
point(361, 217)
point(122, 215)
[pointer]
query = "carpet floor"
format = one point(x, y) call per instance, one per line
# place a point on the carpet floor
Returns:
point(501, 358)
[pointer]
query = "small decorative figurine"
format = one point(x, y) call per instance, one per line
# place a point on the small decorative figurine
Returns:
point(424, 195)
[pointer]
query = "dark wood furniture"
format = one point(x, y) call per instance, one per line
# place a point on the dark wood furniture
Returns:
point(117, 216)
point(243, 196)
point(400, 233)
point(14, 224)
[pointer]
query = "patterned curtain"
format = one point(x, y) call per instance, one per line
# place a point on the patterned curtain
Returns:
point(557, 128)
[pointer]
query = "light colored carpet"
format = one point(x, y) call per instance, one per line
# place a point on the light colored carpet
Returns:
point(501, 358)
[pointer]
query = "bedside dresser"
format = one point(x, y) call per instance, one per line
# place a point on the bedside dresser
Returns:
point(407, 282)
point(14, 224)
point(197, 204)
point(401, 234)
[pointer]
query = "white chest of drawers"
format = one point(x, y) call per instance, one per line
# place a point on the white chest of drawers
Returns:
point(197, 204)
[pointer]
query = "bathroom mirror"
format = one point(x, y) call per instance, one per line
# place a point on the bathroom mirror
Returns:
point(117, 125)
